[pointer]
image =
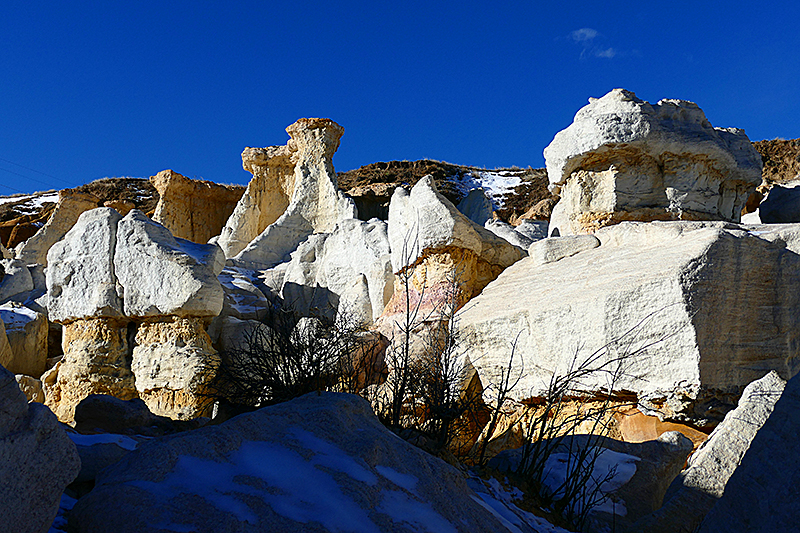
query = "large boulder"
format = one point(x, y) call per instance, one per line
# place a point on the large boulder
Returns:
point(27, 333)
point(315, 204)
point(698, 487)
point(318, 463)
point(696, 310)
point(349, 268)
point(71, 204)
point(81, 282)
point(195, 210)
point(763, 493)
point(625, 159)
point(161, 275)
point(37, 461)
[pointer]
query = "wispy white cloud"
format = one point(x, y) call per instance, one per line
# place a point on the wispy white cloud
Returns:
point(583, 35)
point(594, 44)
point(608, 52)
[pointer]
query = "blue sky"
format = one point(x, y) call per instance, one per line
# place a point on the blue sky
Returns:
point(96, 89)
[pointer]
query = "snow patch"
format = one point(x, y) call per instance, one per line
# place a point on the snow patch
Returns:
point(124, 442)
point(495, 183)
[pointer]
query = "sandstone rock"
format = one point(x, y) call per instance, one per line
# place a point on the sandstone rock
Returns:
point(535, 230)
point(70, 206)
point(644, 472)
point(5, 348)
point(476, 206)
point(706, 307)
point(37, 461)
point(441, 259)
point(509, 233)
point(5, 253)
point(625, 159)
point(348, 268)
point(235, 334)
point(557, 248)
point(100, 413)
point(703, 482)
point(318, 463)
point(123, 207)
point(172, 361)
point(17, 281)
point(781, 206)
point(31, 387)
point(316, 204)
point(195, 210)
point(762, 493)
point(162, 275)
point(96, 361)
point(99, 451)
point(265, 199)
point(81, 281)
point(27, 332)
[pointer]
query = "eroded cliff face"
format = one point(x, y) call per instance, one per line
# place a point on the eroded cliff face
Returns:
point(195, 210)
point(625, 159)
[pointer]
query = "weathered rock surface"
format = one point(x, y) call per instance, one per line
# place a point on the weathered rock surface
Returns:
point(781, 206)
point(100, 413)
point(16, 282)
point(265, 199)
point(441, 259)
point(707, 307)
point(5, 348)
point(556, 248)
point(625, 159)
point(644, 472)
point(172, 361)
point(318, 463)
point(705, 479)
point(162, 275)
point(37, 461)
point(349, 268)
point(96, 361)
point(81, 281)
point(762, 494)
point(30, 387)
point(476, 206)
point(27, 332)
point(195, 210)
point(509, 233)
point(70, 206)
point(315, 203)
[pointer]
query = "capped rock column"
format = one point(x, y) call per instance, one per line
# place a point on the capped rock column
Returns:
point(171, 290)
point(316, 204)
point(82, 296)
point(625, 159)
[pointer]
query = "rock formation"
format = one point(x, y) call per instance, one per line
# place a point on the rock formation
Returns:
point(692, 495)
point(349, 268)
point(625, 159)
point(195, 210)
point(762, 493)
point(293, 194)
point(133, 301)
point(27, 336)
point(317, 463)
point(703, 308)
point(70, 206)
point(37, 461)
